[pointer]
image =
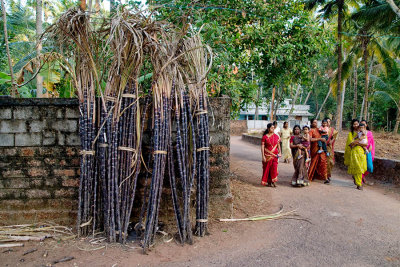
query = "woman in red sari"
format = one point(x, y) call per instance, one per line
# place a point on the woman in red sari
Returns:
point(319, 161)
point(270, 150)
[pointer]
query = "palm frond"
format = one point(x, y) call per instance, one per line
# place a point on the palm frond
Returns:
point(385, 58)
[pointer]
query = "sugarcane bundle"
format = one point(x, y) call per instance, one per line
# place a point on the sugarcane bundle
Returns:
point(197, 69)
point(108, 56)
point(74, 32)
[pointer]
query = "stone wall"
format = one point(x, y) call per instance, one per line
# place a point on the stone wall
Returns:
point(256, 140)
point(238, 127)
point(387, 170)
point(219, 123)
point(39, 159)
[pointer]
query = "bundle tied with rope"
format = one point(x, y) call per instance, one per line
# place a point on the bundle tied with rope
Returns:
point(111, 62)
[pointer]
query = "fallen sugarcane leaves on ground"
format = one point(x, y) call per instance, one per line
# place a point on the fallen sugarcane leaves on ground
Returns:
point(275, 216)
point(33, 232)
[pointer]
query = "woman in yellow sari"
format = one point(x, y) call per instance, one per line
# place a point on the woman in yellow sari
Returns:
point(355, 157)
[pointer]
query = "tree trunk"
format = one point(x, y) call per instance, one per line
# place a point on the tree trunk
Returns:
point(272, 103)
point(39, 30)
point(339, 69)
point(396, 126)
point(276, 104)
point(355, 93)
point(362, 108)
point(256, 112)
point(323, 103)
point(301, 95)
point(311, 89)
point(13, 86)
point(394, 7)
point(316, 101)
point(295, 99)
point(308, 96)
point(343, 94)
point(365, 58)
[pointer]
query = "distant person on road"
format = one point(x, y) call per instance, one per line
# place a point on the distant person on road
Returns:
point(370, 147)
point(330, 145)
point(270, 151)
point(358, 157)
point(277, 130)
point(319, 161)
point(286, 132)
point(299, 152)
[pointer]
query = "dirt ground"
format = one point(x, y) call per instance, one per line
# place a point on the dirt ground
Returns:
point(247, 200)
point(387, 145)
point(335, 225)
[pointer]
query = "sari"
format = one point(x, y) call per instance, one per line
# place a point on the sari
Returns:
point(357, 164)
point(300, 176)
point(371, 148)
point(270, 166)
point(347, 149)
point(332, 133)
point(286, 152)
point(319, 161)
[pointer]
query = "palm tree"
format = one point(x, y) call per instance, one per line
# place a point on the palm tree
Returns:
point(328, 9)
point(382, 17)
point(388, 88)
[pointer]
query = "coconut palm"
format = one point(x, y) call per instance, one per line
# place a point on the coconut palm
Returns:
point(379, 16)
point(328, 9)
point(388, 88)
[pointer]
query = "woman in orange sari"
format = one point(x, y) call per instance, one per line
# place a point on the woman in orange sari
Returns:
point(270, 151)
point(319, 161)
point(330, 145)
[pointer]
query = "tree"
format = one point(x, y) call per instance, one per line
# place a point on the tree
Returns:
point(39, 30)
point(327, 10)
point(380, 17)
point(271, 37)
point(394, 7)
point(3, 8)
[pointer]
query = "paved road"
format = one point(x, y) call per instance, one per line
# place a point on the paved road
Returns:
point(349, 227)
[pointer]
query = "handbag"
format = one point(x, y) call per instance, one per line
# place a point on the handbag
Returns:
point(370, 165)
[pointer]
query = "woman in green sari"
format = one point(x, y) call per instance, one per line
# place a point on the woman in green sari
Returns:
point(354, 157)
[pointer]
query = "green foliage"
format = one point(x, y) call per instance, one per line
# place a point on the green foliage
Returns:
point(263, 41)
